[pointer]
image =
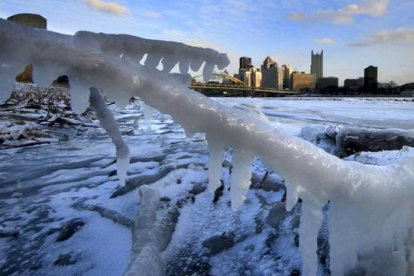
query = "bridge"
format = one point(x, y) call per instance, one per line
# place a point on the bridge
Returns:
point(233, 87)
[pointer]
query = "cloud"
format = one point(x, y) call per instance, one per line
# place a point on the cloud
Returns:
point(152, 15)
point(325, 40)
point(108, 7)
point(400, 35)
point(346, 14)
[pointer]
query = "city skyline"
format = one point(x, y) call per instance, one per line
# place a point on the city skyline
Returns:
point(353, 34)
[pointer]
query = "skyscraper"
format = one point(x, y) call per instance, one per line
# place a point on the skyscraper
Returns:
point(272, 74)
point(317, 65)
point(245, 63)
point(371, 79)
point(287, 71)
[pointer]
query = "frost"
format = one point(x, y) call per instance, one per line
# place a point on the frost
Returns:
point(371, 207)
point(108, 122)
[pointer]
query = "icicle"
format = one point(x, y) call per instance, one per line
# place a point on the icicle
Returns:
point(240, 177)
point(310, 223)
point(147, 115)
point(216, 150)
point(107, 121)
point(291, 196)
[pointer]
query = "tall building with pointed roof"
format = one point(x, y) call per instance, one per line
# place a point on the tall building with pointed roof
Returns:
point(272, 74)
point(269, 62)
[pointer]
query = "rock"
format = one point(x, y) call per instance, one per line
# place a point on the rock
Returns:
point(198, 188)
point(317, 135)
point(218, 192)
point(332, 131)
point(353, 140)
point(218, 244)
point(61, 81)
point(27, 75)
point(69, 229)
point(277, 214)
point(165, 199)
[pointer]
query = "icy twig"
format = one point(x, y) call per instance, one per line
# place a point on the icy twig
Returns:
point(108, 122)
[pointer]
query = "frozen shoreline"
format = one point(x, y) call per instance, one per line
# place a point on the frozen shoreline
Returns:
point(67, 172)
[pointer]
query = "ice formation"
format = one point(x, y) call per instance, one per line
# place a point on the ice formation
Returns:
point(146, 259)
point(108, 122)
point(371, 207)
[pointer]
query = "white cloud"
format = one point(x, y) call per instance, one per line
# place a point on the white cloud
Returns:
point(152, 15)
point(400, 35)
point(325, 40)
point(346, 14)
point(108, 7)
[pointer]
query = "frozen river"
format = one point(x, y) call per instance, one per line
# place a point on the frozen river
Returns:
point(43, 189)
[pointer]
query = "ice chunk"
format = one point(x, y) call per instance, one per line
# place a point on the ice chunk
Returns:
point(108, 122)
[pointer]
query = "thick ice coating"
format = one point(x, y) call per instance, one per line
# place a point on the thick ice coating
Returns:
point(107, 121)
point(371, 207)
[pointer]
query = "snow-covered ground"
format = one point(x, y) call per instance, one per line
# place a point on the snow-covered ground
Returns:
point(64, 213)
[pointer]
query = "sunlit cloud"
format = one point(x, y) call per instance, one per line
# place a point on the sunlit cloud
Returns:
point(346, 14)
point(325, 40)
point(152, 15)
point(400, 35)
point(108, 7)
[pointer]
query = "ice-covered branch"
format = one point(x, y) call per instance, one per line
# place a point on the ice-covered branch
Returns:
point(146, 259)
point(107, 121)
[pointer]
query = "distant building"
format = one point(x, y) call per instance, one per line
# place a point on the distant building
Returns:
point(317, 65)
point(371, 79)
point(252, 77)
point(268, 63)
point(245, 63)
point(256, 78)
point(302, 82)
point(272, 74)
point(287, 71)
point(348, 83)
point(328, 84)
point(353, 86)
point(29, 20)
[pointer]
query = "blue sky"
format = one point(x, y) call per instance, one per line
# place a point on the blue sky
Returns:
point(353, 33)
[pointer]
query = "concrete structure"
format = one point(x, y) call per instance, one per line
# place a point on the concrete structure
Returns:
point(317, 65)
point(29, 20)
point(256, 78)
point(268, 63)
point(245, 63)
point(348, 83)
point(272, 74)
point(302, 82)
point(328, 84)
point(371, 79)
point(251, 77)
point(287, 71)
